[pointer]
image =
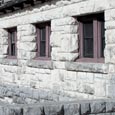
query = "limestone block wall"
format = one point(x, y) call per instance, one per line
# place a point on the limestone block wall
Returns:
point(26, 80)
point(95, 107)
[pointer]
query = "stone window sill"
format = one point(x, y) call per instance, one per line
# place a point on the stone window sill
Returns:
point(40, 64)
point(12, 62)
point(87, 67)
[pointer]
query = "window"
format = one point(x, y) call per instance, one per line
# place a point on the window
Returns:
point(43, 41)
point(91, 36)
point(12, 35)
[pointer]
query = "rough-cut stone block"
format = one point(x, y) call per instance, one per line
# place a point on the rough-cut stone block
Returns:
point(28, 46)
point(11, 69)
point(3, 33)
point(85, 108)
point(66, 29)
point(58, 65)
point(25, 33)
point(110, 25)
point(98, 107)
point(11, 111)
point(22, 54)
point(110, 106)
point(34, 111)
point(112, 3)
point(11, 62)
point(2, 111)
point(100, 87)
point(72, 76)
point(40, 64)
point(54, 110)
point(64, 56)
point(107, 54)
point(98, 75)
point(90, 77)
point(86, 77)
point(64, 21)
point(44, 84)
point(31, 38)
point(110, 36)
point(111, 68)
point(71, 109)
point(58, 76)
point(46, 95)
point(110, 90)
point(88, 89)
point(3, 49)
point(69, 43)
point(4, 40)
point(36, 94)
point(3, 56)
point(55, 39)
point(28, 27)
point(69, 86)
point(112, 54)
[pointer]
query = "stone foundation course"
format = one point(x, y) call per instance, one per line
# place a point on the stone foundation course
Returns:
point(81, 107)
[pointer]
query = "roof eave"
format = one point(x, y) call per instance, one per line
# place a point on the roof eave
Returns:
point(13, 4)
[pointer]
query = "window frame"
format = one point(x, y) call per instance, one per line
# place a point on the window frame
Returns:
point(97, 40)
point(10, 32)
point(47, 27)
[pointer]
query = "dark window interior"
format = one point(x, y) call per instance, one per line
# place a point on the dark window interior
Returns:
point(43, 40)
point(12, 42)
point(88, 39)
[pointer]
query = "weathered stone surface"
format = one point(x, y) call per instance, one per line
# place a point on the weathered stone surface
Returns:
point(98, 107)
point(3, 33)
point(40, 64)
point(12, 62)
point(31, 38)
point(66, 29)
point(110, 107)
point(100, 84)
point(72, 109)
point(22, 54)
point(54, 110)
point(69, 43)
point(12, 111)
point(110, 90)
point(88, 89)
point(3, 49)
point(64, 21)
point(81, 107)
point(55, 40)
point(34, 111)
point(28, 46)
point(61, 78)
point(85, 108)
point(90, 67)
point(64, 56)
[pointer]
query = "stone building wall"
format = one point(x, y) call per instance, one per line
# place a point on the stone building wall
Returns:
point(26, 80)
point(95, 107)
